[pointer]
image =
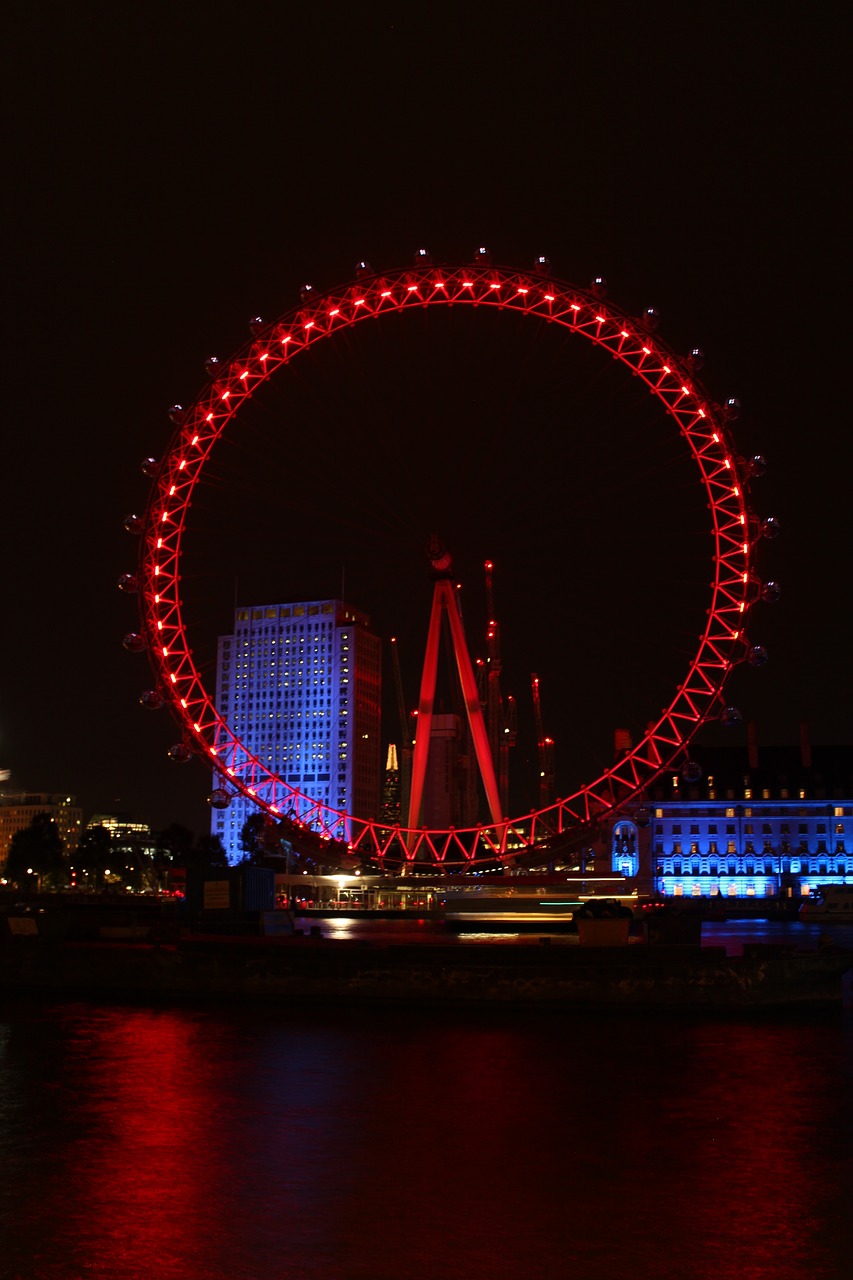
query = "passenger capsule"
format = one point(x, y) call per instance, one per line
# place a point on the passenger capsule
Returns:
point(180, 753)
point(770, 527)
point(757, 655)
point(542, 265)
point(152, 700)
point(219, 798)
point(149, 467)
point(256, 324)
point(731, 717)
point(363, 269)
point(177, 413)
point(482, 256)
point(731, 409)
point(651, 318)
point(134, 642)
point(423, 258)
point(757, 465)
point(691, 771)
point(213, 366)
point(599, 286)
point(696, 358)
point(133, 524)
point(771, 593)
point(307, 293)
point(128, 582)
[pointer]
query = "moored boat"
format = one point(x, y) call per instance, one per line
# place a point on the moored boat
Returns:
point(829, 904)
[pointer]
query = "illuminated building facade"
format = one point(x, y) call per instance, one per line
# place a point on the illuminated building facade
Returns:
point(300, 685)
point(17, 811)
point(754, 825)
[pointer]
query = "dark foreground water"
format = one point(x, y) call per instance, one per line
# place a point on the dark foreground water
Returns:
point(198, 1143)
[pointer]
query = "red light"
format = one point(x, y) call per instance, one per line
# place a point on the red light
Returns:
point(308, 325)
point(549, 297)
point(244, 375)
point(286, 338)
point(336, 312)
point(519, 290)
point(359, 302)
point(225, 395)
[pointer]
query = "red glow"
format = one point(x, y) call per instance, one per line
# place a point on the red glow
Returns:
point(694, 695)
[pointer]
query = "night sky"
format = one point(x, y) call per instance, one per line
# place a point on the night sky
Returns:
point(173, 171)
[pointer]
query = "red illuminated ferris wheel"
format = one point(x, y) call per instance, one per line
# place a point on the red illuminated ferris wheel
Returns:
point(634, 343)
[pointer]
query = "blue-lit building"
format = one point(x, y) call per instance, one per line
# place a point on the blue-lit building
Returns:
point(300, 686)
point(743, 823)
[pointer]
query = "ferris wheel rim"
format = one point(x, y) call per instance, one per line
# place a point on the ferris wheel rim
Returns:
point(628, 340)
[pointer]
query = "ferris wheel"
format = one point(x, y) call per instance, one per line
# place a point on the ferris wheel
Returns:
point(634, 343)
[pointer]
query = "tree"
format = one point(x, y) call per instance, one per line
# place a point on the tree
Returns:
point(209, 852)
point(95, 853)
point(251, 838)
point(174, 844)
point(35, 854)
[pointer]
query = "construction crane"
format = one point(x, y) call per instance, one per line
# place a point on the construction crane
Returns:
point(405, 760)
point(501, 717)
point(546, 751)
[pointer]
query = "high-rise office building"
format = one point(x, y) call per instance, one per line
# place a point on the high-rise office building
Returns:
point(17, 810)
point(300, 686)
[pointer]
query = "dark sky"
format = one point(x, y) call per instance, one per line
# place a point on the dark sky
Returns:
point(173, 170)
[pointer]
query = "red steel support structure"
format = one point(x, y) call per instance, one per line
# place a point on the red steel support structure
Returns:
point(444, 605)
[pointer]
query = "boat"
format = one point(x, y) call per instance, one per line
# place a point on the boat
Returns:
point(829, 904)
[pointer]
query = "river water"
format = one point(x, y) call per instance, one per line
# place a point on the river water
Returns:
point(205, 1142)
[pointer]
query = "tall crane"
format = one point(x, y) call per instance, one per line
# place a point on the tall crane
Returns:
point(406, 746)
point(501, 717)
point(546, 751)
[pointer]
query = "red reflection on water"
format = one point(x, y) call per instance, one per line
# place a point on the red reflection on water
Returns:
point(154, 1149)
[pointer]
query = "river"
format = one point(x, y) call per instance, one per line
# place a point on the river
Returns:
point(209, 1142)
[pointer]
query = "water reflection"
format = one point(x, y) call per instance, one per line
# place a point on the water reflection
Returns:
point(199, 1143)
point(190, 1143)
